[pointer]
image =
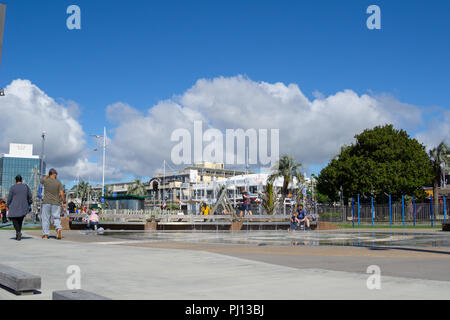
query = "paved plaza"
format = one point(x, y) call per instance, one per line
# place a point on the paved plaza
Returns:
point(205, 266)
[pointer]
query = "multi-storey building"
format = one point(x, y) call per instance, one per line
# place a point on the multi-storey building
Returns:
point(19, 161)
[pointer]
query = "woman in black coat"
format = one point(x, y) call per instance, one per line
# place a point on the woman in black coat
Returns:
point(19, 200)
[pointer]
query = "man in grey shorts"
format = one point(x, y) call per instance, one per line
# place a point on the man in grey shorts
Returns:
point(51, 204)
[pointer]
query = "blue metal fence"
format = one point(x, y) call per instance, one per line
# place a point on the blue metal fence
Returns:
point(403, 213)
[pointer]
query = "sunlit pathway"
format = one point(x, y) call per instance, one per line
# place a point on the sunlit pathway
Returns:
point(132, 272)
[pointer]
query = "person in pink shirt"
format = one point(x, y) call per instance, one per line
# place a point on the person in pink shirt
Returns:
point(92, 220)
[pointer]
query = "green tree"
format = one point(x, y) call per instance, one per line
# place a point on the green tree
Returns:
point(287, 169)
point(137, 189)
point(269, 198)
point(440, 158)
point(382, 161)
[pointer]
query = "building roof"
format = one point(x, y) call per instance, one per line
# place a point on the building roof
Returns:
point(24, 151)
point(125, 197)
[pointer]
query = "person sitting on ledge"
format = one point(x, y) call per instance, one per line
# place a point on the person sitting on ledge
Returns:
point(303, 217)
point(294, 221)
point(92, 220)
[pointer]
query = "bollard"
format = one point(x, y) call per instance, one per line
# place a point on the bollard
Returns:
point(353, 212)
point(403, 210)
point(358, 213)
point(445, 209)
point(390, 211)
point(431, 203)
point(371, 200)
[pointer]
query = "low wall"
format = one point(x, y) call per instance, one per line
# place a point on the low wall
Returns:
point(194, 223)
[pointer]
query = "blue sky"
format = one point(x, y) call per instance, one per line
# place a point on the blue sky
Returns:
point(141, 52)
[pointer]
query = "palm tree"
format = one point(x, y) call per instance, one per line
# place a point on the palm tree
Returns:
point(108, 191)
point(83, 190)
point(137, 189)
point(269, 198)
point(288, 169)
point(439, 156)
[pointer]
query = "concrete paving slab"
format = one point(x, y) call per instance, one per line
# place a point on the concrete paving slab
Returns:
point(125, 272)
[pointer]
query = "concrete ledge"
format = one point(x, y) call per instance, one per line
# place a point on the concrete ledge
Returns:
point(18, 281)
point(151, 226)
point(236, 226)
point(75, 225)
point(76, 295)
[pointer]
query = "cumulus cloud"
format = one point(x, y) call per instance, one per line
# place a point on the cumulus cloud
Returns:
point(84, 169)
point(438, 130)
point(27, 111)
point(142, 141)
point(311, 130)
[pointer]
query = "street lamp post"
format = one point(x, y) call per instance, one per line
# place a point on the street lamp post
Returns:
point(42, 170)
point(104, 158)
point(42, 173)
point(2, 27)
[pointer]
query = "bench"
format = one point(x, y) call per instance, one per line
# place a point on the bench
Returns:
point(76, 295)
point(17, 281)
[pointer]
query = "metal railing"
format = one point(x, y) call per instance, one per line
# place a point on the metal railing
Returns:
point(365, 214)
point(383, 214)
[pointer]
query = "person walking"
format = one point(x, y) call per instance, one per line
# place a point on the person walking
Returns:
point(51, 204)
point(19, 201)
point(245, 204)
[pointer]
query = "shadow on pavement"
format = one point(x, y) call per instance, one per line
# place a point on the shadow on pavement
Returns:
point(409, 249)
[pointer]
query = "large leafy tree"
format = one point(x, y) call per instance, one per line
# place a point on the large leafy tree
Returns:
point(287, 169)
point(382, 161)
point(440, 158)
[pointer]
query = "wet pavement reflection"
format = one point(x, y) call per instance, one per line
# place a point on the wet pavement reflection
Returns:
point(307, 238)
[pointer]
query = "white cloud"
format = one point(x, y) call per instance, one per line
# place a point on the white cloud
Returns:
point(438, 130)
point(26, 111)
point(311, 130)
point(87, 170)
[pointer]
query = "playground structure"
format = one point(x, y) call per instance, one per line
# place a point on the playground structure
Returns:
point(224, 201)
